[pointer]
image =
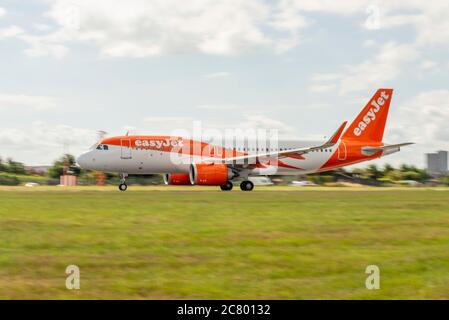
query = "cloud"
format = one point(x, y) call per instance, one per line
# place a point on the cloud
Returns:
point(429, 20)
point(166, 124)
point(325, 76)
point(41, 27)
point(385, 66)
point(375, 72)
point(320, 88)
point(259, 121)
point(2, 12)
point(246, 120)
point(421, 119)
point(369, 43)
point(168, 119)
point(219, 107)
point(37, 103)
point(222, 74)
point(424, 118)
point(41, 143)
point(140, 28)
point(40, 47)
point(11, 31)
point(428, 65)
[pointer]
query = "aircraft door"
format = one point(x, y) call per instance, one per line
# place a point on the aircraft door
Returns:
point(342, 151)
point(126, 149)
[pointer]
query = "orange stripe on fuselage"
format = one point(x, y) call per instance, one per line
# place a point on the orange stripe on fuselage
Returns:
point(295, 156)
point(174, 144)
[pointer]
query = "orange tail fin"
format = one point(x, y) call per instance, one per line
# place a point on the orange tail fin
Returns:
point(370, 123)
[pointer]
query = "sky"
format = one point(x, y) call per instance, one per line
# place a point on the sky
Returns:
point(72, 68)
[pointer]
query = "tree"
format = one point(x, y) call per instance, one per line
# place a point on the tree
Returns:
point(408, 168)
point(395, 175)
point(57, 169)
point(374, 172)
point(15, 167)
point(9, 180)
point(2, 166)
point(387, 169)
point(410, 172)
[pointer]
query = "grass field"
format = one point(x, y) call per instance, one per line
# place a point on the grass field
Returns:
point(273, 243)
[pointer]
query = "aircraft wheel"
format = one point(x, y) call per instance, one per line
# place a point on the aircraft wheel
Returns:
point(247, 186)
point(123, 187)
point(227, 187)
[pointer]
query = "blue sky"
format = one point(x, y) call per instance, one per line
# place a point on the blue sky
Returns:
point(70, 68)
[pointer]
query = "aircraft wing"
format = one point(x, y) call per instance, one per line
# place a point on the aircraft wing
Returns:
point(332, 141)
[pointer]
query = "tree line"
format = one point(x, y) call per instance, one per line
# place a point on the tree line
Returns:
point(15, 173)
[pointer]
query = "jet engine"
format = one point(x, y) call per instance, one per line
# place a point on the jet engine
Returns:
point(177, 179)
point(210, 174)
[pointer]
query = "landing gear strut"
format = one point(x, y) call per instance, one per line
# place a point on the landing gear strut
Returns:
point(247, 186)
point(123, 186)
point(227, 187)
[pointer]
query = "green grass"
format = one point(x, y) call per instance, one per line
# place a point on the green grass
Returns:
point(284, 243)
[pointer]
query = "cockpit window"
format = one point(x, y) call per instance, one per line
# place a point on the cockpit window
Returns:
point(102, 147)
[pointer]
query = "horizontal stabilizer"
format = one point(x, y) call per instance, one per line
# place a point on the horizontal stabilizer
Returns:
point(387, 149)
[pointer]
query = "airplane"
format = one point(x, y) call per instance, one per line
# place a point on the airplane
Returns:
point(185, 161)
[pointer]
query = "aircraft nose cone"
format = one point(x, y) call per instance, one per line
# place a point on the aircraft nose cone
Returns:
point(82, 160)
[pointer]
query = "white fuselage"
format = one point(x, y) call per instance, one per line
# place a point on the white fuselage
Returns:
point(135, 160)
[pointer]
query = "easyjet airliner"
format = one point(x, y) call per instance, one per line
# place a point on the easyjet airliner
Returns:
point(186, 161)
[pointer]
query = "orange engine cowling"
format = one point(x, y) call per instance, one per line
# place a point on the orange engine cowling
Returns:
point(210, 174)
point(177, 179)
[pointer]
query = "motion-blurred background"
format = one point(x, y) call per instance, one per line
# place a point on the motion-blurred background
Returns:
point(70, 68)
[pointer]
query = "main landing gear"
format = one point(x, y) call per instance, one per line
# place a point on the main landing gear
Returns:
point(123, 186)
point(227, 187)
point(247, 185)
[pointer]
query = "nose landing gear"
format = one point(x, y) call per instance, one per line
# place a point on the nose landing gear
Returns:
point(123, 186)
point(227, 187)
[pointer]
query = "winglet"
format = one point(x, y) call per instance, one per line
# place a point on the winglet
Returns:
point(334, 139)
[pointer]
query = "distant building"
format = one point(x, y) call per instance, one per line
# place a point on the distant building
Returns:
point(38, 169)
point(68, 181)
point(437, 163)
